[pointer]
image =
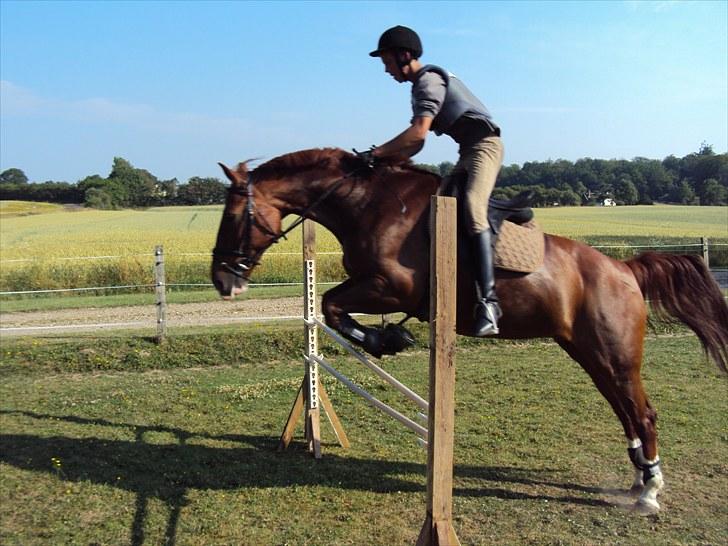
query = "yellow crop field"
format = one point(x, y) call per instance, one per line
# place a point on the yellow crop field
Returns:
point(654, 221)
point(84, 248)
point(64, 248)
point(24, 208)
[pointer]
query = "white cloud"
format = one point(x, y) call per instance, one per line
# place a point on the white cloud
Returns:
point(17, 101)
point(169, 144)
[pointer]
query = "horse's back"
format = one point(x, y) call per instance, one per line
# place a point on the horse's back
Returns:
point(574, 281)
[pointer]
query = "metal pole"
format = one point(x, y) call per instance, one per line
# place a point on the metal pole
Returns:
point(161, 293)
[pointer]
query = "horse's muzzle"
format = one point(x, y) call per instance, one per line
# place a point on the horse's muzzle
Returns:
point(226, 283)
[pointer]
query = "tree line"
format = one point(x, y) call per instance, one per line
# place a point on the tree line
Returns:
point(699, 178)
point(125, 187)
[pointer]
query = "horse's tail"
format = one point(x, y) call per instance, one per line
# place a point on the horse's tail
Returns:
point(683, 287)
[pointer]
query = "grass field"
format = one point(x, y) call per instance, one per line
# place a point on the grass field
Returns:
point(42, 251)
point(115, 440)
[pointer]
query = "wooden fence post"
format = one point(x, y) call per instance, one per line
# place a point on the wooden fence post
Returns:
point(438, 529)
point(161, 293)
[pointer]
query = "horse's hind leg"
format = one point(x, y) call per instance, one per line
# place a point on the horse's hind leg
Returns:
point(613, 360)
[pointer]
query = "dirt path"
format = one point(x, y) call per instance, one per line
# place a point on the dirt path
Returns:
point(141, 316)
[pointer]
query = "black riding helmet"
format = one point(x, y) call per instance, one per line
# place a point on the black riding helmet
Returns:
point(399, 37)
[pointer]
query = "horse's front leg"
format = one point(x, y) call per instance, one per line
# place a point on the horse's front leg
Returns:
point(373, 296)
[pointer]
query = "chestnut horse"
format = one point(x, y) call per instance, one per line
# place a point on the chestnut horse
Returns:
point(591, 305)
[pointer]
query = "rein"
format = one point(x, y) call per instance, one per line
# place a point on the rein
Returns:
point(248, 262)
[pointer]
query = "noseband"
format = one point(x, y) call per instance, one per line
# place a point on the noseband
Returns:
point(249, 261)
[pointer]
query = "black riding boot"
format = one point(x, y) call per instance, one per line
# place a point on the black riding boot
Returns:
point(487, 310)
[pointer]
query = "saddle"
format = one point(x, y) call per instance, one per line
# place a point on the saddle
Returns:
point(517, 210)
point(519, 241)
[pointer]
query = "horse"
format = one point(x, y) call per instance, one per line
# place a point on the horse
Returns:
point(593, 306)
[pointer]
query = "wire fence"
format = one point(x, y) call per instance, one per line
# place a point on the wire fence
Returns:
point(704, 248)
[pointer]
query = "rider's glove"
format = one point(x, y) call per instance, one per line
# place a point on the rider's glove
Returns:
point(367, 157)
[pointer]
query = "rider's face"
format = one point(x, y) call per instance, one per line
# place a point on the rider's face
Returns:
point(391, 67)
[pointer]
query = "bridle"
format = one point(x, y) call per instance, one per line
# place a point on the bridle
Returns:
point(248, 259)
point(250, 218)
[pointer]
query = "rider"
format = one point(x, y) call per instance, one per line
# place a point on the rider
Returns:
point(441, 103)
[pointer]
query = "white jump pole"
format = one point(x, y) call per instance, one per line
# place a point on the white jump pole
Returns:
point(356, 389)
point(404, 389)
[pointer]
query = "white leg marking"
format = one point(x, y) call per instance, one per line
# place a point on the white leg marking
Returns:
point(647, 503)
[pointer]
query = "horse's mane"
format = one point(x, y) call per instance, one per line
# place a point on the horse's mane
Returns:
point(303, 159)
point(322, 158)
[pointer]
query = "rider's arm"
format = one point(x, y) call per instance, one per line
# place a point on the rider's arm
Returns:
point(408, 142)
point(428, 95)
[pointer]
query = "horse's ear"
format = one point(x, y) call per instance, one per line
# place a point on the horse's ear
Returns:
point(234, 176)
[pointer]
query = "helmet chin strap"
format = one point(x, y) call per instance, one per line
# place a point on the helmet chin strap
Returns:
point(403, 58)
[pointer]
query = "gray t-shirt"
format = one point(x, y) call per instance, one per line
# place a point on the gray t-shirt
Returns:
point(428, 95)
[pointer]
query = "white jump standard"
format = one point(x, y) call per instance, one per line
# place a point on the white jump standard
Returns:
point(312, 391)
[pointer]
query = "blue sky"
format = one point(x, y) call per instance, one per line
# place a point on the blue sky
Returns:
point(175, 87)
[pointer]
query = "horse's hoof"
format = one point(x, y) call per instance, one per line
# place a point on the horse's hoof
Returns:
point(636, 490)
point(646, 507)
point(396, 338)
point(371, 342)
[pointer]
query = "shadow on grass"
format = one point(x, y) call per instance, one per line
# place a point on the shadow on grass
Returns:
point(168, 471)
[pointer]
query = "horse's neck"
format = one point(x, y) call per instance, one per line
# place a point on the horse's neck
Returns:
point(326, 197)
point(347, 210)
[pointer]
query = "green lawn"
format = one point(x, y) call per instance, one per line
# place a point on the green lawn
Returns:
point(115, 440)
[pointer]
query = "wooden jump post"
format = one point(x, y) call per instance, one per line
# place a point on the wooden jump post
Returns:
point(439, 435)
point(437, 529)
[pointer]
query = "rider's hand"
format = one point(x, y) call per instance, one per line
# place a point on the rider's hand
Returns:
point(367, 157)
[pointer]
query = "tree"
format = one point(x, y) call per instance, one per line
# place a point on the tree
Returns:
point(428, 167)
point(98, 199)
point(132, 187)
point(93, 181)
point(570, 198)
point(202, 191)
point(445, 168)
point(706, 149)
point(166, 192)
point(683, 194)
point(713, 193)
point(13, 176)
point(625, 191)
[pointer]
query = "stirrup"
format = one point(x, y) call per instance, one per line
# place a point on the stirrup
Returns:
point(487, 314)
